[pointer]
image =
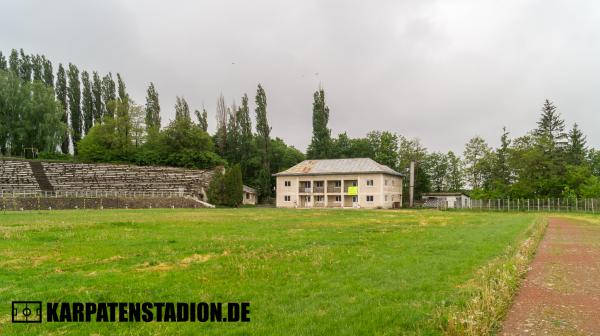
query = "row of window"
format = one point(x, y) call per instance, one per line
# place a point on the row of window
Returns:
point(338, 184)
point(338, 199)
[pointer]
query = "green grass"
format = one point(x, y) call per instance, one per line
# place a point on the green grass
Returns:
point(305, 272)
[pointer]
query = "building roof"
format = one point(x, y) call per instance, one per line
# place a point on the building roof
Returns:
point(445, 194)
point(338, 166)
point(249, 189)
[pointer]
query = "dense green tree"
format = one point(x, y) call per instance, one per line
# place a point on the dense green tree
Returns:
point(99, 108)
point(25, 66)
point(455, 179)
point(37, 67)
point(202, 119)
point(182, 109)
point(3, 64)
point(61, 97)
point(234, 193)
point(475, 166)
point(320, 146)
point(13, 62)
point(263, 140)
point(233, 153)
point(87, 102)
point(438, 170)
point(109, 95)
point(74, 95)
point(152, 109)
point(48, 74)
point(29, 116)
point(384, 146)
point(576, 147)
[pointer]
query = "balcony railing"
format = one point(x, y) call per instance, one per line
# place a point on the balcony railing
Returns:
point(334, 189)
point(305, 190)
point(318, 189)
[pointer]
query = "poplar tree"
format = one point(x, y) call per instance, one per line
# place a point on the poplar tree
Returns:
point(87, 102)
point(320, 146)
point(202, 119)
point(25, 66)
point(263, 141)
point(97, 97)
point(37, 67)
point(74, 95)
point(61, 96)
point(246, 137)
point(13, 62)
point(3, 64)
point(221, 132)
point(48, 74)
point(109, 95)
point(182, 109)
point(152, 109)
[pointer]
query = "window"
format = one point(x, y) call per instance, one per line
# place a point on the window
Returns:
point(354, 183)
point(287, 183)
point(385, 182)
point(338, 199)
point(319, 199)
point(318, 183)
point(247, 195)
point(369, 198)
point(287, 198)
point(337, 183)
point(386, 198)
point(308, 198)
point(393, 182)
point(354, 199)
point(370, 183)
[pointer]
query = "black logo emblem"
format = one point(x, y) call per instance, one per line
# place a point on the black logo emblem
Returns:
point(27, 311)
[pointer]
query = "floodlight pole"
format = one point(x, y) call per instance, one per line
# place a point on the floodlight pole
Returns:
point(411, 186)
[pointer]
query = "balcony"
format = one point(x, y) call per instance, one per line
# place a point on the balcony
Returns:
point(305, 190)
point(331, 189)
point(319, 190)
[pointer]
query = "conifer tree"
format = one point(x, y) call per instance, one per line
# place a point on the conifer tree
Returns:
point(74, 95)
point(551, 125)
point(263, 138)
point(61, 96)
point(97, 97)
point(152, 109)
point(576, 149)
point(320, 146)
point(87, 102)
point(221, 132)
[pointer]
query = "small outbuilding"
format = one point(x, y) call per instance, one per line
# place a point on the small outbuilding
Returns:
point(249, 195)
point(446, 199)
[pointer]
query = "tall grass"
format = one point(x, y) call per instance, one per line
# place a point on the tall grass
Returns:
point(492, 289)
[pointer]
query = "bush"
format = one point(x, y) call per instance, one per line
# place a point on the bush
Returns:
point(227, 189)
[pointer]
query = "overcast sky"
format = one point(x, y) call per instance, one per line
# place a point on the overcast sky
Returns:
point(442, 71)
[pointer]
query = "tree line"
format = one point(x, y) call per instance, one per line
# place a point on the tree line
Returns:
point(93, 118)
point(548, 161)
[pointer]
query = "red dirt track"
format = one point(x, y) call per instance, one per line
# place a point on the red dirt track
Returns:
point(561, 293)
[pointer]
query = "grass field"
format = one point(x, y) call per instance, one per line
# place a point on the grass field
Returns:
point(305, 272)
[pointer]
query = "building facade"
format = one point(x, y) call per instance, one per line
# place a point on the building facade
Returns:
point(339, 183)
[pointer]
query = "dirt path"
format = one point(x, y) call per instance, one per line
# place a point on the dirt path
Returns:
point(561, 293)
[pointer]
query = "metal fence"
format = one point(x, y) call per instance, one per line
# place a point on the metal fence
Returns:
point(90, 194)
point(590, 205)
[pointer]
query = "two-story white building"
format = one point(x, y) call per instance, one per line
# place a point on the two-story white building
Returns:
point(339, 183)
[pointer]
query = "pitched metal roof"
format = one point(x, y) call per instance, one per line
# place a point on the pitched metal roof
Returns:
point(249, 189)
point(338, 166)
